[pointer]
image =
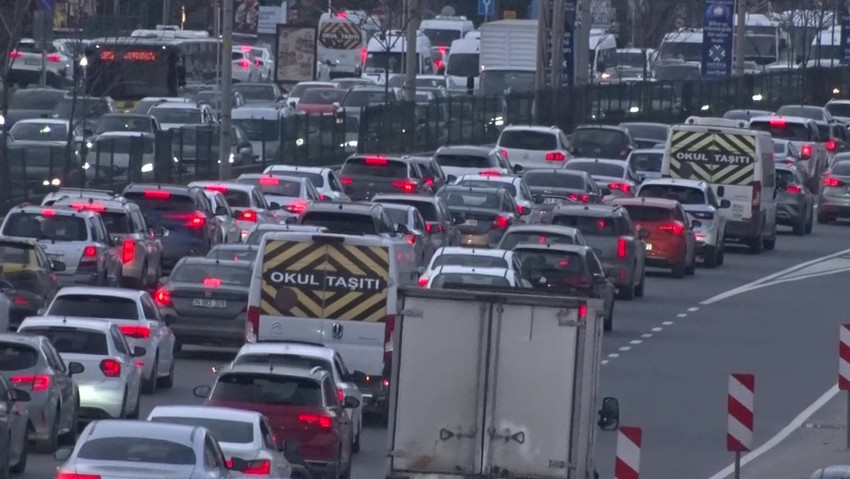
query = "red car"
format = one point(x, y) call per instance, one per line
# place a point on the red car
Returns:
point(672, 241)
point(303, 406)
point(317, 101)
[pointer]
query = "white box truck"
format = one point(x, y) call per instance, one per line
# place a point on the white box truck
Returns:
point(492, 384)
point(507, 56)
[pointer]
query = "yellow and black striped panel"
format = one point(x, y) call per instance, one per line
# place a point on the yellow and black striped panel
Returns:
point(340, 36)
point(126, 106)
point(719, 158)
point(325, 280)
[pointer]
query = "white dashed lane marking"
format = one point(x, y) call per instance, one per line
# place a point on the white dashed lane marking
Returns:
point(693, 309)
point(682, 315)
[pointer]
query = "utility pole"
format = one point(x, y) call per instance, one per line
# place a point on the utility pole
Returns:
point(740, 36)
point(226, 85)
point(544, 45)
point(582, 43)
point(166, 11)
point(414, 17)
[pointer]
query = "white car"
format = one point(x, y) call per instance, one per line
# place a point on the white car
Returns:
point(263, 59)
point(298, 90)
point(512, 184)
point(27, 56)
point(174, 115)
point(250, 207)
point(138, 319)
point(244, 67)
point(111, 383)
point(534, 146)
point(469, 258)
point(325, 180)
point(474, 278)
point(246, 435)
point(309, 356)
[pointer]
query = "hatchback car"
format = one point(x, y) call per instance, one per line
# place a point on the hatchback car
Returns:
point(464, 277)
point(25, 266)
point(794, 202)
point(554, 186)
point(234, 251)
point(600, 141)
point(514, 185)
point(33, 365)
point(111, 384)
point(482, 214)
point(439, 223)
point(205, 300)
point(292, 193)
point(365, 176)
point(228, 230)
point(417, 235)
point(671, 242)
point(325, 180)
point(834, 199)
point(472, 160)
point(615, 178)
point(540, 234)
point(534, 146)
point(471, 258)
point(250, 207)
point(434, 176)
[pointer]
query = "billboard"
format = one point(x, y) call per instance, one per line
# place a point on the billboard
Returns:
point(295, 53)
point(717, 27)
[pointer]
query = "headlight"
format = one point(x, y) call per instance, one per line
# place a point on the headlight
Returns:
point(147, 167)
point(86, 165)
point(757, 97)
point(705, 107)
point(498, 121)
point(176, 160)
point(299, 142)
point(606, 76)
point(634, 109)
point(53, 182)
point(89, 145)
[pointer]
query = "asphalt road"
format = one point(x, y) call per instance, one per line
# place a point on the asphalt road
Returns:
point(673, 383)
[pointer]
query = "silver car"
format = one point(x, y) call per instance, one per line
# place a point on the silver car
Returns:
point(235, 252)
point(111, 384)
point(255, 235)
point(242, 434)
point(423, 245)
point(703, 209)
point(31, 364)
point(325, 180)
point(13, 427)
point(250, 207)
point(116, 448)
point(225, 216)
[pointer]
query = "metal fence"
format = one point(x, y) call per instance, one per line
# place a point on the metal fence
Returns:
point(191, 153)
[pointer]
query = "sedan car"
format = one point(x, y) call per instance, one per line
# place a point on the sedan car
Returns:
point(540, 234)
point(570, 270)
point(325, 180)
point(31, 274)
point(834, 199)
point(794, 201)
point(225, 217)
point(246, 201)
point(245, 435)
point(13, 427)
point(32, 364)
point(482, 214)
point(601, 141)
point(111, 383)
point(514, 185)
point(700, 203)
point(144, 450)
point(423, 246)
point(576, 186)
point(647, 162)
point(439, 223)
point(470, 258)
point(615, 178)
point(205, 300)
point(292, 193)
point(471, 160)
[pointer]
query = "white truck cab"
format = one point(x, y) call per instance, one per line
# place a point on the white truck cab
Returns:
point(342, 40)
point(385, 56)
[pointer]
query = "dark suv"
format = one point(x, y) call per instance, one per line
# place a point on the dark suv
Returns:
point(598, 141)
point(364, 176)
point(350, 218)
point(181, 215)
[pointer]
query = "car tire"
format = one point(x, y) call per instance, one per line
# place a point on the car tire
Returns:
point(138, 408)
point(824, 219)
point(809, 223)
point(51, 444)
point(640, 289)
point(678, 270)
point(799, 227)
point(149, 384)
point(712, 257)
point(627, 292)
point(346, 474)
point(168, 381)
point(355, 446)
point(608, 321)
point(21, 466)
point(70, 437)
point(770, 243)
point(692, 267)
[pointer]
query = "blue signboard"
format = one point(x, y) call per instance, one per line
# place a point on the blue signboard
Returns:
point(568, 72)
point(717, 28)
point(45, 5)
point(845, 33)
point(486, 7)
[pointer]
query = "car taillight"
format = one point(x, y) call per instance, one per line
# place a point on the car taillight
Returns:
point(15, 54)
point(48, 212)
point(411, 239)
point(429, 182)
point(831, 181)
point(501, 222)
point(520, 209)
point(252, 324)
point(555, 156)
point(89, 257)
point(55, 58)
point(341, 395)
point(346, 180)
point(406, 186)
point(676, 228)
point(89, 207)
point(622, 248)
point(490, 173)
point(212, 282)
point(247, 215)
point(196, 221)
point(260, 467)
point(433, 227)
point(624, 187)
point(128, 251)
point(21, 301)
point(110, 368)
point(831, 145)
point(578, 198)
point(157, 195)
point(375, 161)
point(74, 475)
point(363, 54)
point(90, 251)
point(504, 153)
point(322, 421)
point(702, 215)
point(259, 63)
point(244, 63)
point(219, 188)
point(297, 207)
point(268, 181)
point(582, 312)
point(756, 193)
point(37, 383)
point(162, 297)
point(139, 332)
point(806, 151)
point(423, 282)
point(793, 189)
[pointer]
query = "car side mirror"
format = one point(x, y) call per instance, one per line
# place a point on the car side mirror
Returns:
point(19, 395)
point(451, 178)
point(358, 377)
point(139, 351)
point(75, 368)
point(237, 464)
point(6, 287)
point(609, 414)
point(274, 206)
point(351, 402)
point(725, 204)
point(336, 105)
point(63, 454)
point(696, 223)
point(516, 168)
point(41, 311)
point(202, 392)
point(525, 212)
point(57, 266)
point(160, 232)
point(221, 211)
point(643, 234)
point(600, 278)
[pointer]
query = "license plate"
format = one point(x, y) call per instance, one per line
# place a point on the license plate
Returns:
point(31, 61)
point(471, 222)
point(551, 201)
point(209, 303)
point(649, 247)
point(56, 257)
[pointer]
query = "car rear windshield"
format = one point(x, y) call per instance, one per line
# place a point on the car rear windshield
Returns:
point(682, 194)
point(545, 268)
point(811, 112)
point(471, 199)
point(649, 213)
point(237, 198)
point(588, 225)
point(267, 389)
point(14, 253)
point(162, 208)
point(465, 161)
point(601, 143)
point(39, 132)
point(512, 239)
point(56, 227)
point(343, 223)
point(649, 132)
point(137, 449)
point(14, 357)
point(314, 178)
point(73, 340)
point(528, 140)
point(783, 130)
point(547, 179)
point(469, 280)
point(427, 210)
point(91, 306)
point(239, 252)
point(212, 274)
point(510, 188)
point(785, 177)
point(647, 161)
point(379, 167)
point(780, 147)
point(596, 168)
point(838, 109)
point(234, 432)
point(271, 185)
point(471, 260)
point(841, 169)
point(116, 223)
point(40, 100)
point(290, 360)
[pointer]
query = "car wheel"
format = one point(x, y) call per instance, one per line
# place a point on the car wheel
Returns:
point(809, 223)
point(49, 445)
point(641, 287)
point(678, 270)
point(608, 321)
point(799, 226)
point(692, 267)
point(21, 465)
point(712, 257)
point(149, 384)
point(628, 292)
point(757, 244)
point(355, 446)
point(168, 381)
point(70, 437)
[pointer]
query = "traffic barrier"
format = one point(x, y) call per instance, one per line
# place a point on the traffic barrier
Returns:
point(844, 373)
point(739, 434)
point(627, 465)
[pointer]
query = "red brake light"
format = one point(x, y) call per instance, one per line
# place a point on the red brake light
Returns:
point(162, 297)
point(252, 323)
point(39, 383)
point(110, 368)
point(89, 251)
point(678, 229)
point(578, 198)
point(48, 212)
point(74, 475)
point(55, 57)
point(342, 15)
point(504, 153)
point(831, 145)
point(297, 207)
point(212, 282)
point(406, 186)
point(219, 188)
point(433, 227)
point(157, 195)
point(501, 222)
point(269, 181)
point(429, 182)
point(555, 156)
point(778, 123)
point(346, 180)
point(806, 151)
point(259, 63)
point(128, 251)
point(624, 187)
point(245, 48)
point(341, 395)
point(520, 209)
point(88, 206)
point(244, 63)
point(411, 239)
point(247, 215)
point(15, 54)
point(582, 312)
point(20, 300)
point(542, 239)
point(423, 282)
point(621, 248)
point(324, 423)
point(196, 221)
point(490, 173)
point(831, 181)
point(141, 332)
point(363, 54)
point(793, 189)
point(261, 467)
point(375, 161)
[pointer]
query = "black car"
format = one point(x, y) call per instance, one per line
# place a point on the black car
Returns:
point(599, 141)
point(482, 214)
point(363, 176)
point(647, 135)
point(350, 218)
point(552, 187)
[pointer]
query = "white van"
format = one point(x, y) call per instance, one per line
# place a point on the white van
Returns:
point(342, 40)
point(738, 164)
point(442, 30)
point(339, 291)
point(262, 126)
point(385, 56)
point(603, 53)
point(463, 63)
